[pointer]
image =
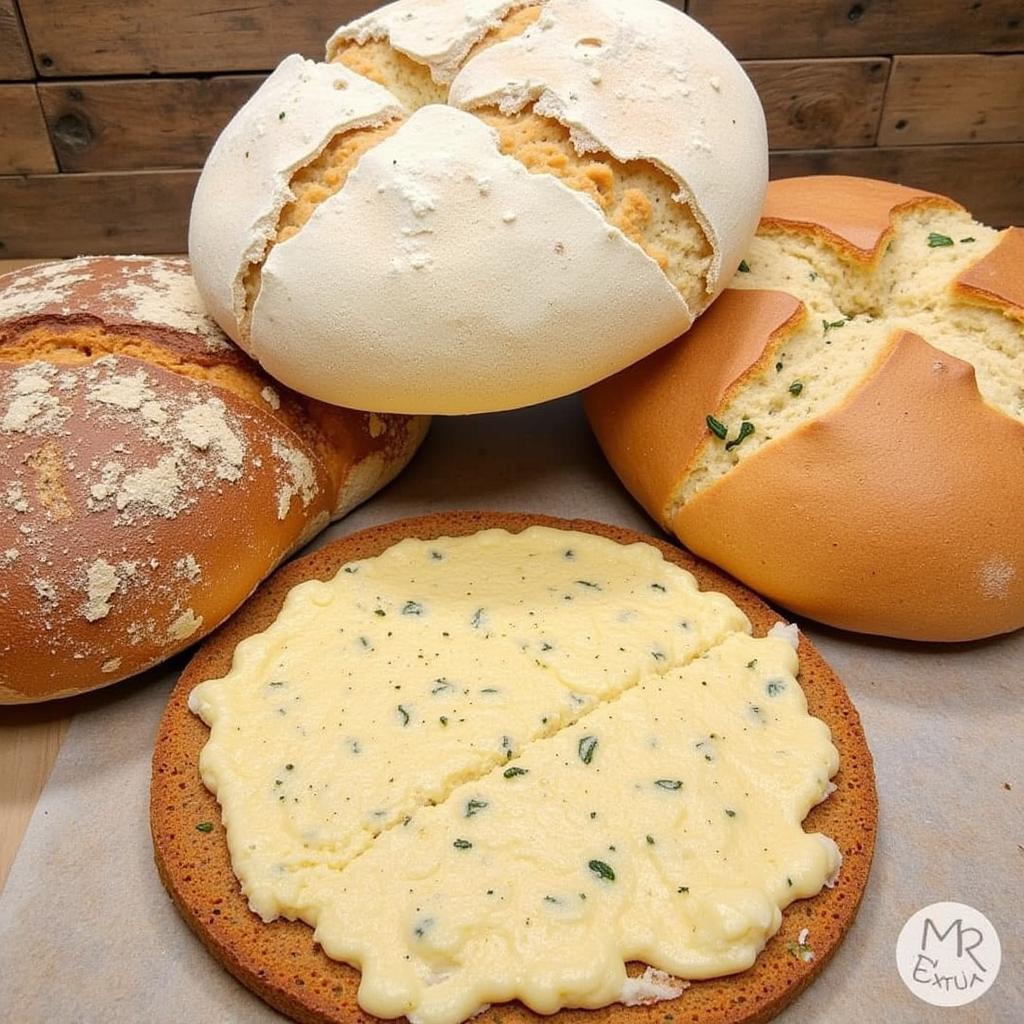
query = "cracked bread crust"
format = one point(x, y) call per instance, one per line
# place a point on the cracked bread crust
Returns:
point(418, 56)
point(280, 962)
point(851, 334)
point(133, 433)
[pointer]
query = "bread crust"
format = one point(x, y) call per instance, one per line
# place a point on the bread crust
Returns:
point(651, 419)
point(853, 215)
point(279, 961)
point(998, 278)
point(422, 321)
point(895, 513)
point(924, 531)
point(150, 474)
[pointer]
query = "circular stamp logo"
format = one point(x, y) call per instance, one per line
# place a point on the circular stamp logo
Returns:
point(948, 954)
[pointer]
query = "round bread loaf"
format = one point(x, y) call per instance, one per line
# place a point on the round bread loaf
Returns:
point(280, 962)
point(503, 203)
point(844, 431)
point(150, 474)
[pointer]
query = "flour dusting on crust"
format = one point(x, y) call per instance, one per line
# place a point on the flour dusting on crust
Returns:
point(115, 289)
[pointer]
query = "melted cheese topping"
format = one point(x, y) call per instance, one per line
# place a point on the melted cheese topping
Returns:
point(502, 766)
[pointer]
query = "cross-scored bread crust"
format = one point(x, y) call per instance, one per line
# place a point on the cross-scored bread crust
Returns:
point(298, 157)
point(881, 486)
point(280, 962)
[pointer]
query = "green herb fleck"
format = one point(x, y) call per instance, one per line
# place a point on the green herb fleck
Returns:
point(281, 116)
point(462, 844)
point(474, 807)
point(602, 870)
point(569, 554)
point(796, 388)
point(937, 241)
point(588, 584)
point(744, 267)
point(379, 612)
point(412, 608)
point(204, 826)
point(752, 663)
point(813, 276)
point(289, 767)
point(550, 899)
point(969, 238)
point(660, 587)
point(443, 719)
point(669, 783)
point(729, 811)
point(789, 881)
point(513, 770)
point(586, 748)
point(478, 617)
point(746, 429)
point(650, 840)
point(778, 367)
point(774, 687)
point(832, 325)
point(404, 715)
point(441, 686)
point(276, 682)
point(717, 428)
point(800, 950)
point(683, 889)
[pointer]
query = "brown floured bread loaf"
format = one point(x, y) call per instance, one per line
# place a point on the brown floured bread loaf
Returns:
point(280, 962)
point(150, 474)
point(844, 430)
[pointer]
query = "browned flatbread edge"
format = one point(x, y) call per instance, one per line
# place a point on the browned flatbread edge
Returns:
point(281, 963)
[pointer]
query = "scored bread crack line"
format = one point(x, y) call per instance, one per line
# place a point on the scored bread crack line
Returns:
point(499, 761)
point(853, 317)
point(310, 184)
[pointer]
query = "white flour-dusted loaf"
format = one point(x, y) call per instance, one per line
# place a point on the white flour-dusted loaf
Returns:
point(150, 474)
point(480, 206)
point(859, 455)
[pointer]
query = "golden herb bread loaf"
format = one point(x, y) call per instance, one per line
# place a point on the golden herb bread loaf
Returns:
point(150, 474)
point(844, 431)
point(281, 960)
point(503, 203)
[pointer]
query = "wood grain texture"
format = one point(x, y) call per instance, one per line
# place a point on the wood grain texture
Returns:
point(30, 740)
point(847, 28)
point(815, 103)
point(73, 214)
point(988, 178)
point(957, 98)
point(95, 37)
point(139, 124)
point(24, 142)
point(15, 57)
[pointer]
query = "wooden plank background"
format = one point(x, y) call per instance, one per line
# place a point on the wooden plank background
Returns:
point(15, 57)
point(110, 109)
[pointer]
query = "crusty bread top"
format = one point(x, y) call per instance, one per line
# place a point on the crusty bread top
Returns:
point(280, 962)
point(854, 214)
point(649, 447)
point(622, 229)
point(718, 447)
point(150, 473)
point(998, 278)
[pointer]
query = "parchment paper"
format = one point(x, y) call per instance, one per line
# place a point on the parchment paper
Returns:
point(88, 935)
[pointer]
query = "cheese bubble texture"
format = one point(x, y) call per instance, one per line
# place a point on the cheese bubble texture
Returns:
point(503, 766)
